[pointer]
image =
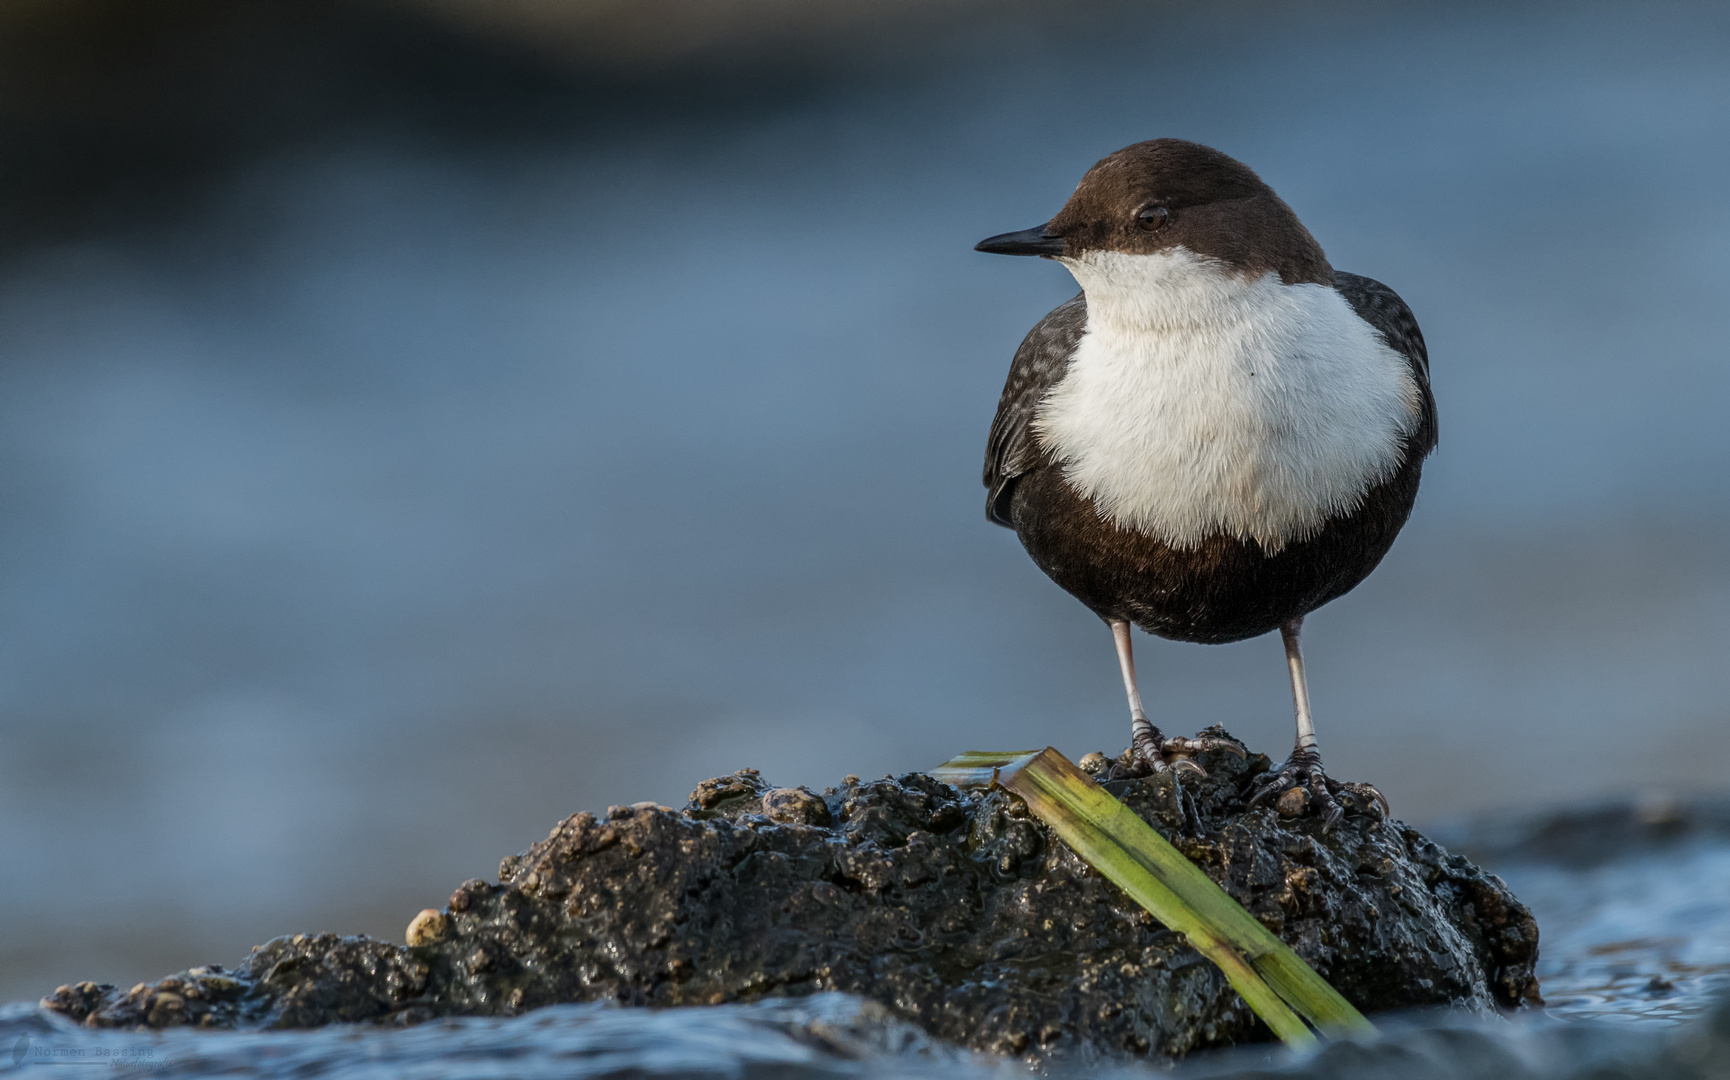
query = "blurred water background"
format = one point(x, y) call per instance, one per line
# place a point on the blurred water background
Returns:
point(422, 421)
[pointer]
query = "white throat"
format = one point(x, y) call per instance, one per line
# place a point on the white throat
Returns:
point(1201, 401)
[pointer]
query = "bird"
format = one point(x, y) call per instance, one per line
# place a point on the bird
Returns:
point(1218, 435)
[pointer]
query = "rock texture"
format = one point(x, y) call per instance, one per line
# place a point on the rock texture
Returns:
point(955, 910)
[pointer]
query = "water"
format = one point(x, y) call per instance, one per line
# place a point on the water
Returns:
point(404, 496)
point(817, 1038)
point(1642, 939)
point(790, 1043)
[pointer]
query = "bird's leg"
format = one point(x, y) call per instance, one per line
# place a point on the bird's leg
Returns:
point(1304, 766)
point(1146, 744)
point(1150, 751)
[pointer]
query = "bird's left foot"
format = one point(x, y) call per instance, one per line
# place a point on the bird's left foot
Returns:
point(1303, 772)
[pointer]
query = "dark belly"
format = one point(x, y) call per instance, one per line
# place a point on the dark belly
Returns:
point(1225, 589)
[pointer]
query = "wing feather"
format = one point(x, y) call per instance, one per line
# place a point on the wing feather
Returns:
point(1039, 363)
point(1383, 309)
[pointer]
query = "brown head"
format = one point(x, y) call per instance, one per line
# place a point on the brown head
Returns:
point(1165, 194)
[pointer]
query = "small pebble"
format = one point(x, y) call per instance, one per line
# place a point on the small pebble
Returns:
point(428, 927)
point(1293, 802)
point(795, 806)
point(166, 1009)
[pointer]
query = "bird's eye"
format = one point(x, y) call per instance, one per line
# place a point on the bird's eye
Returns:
point(1152, 217)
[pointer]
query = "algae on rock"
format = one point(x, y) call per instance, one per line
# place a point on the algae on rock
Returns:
point(956, 910)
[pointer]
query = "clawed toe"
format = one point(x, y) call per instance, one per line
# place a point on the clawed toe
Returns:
point(1367, 793)
point(1139, 766)
point(1203, 743)
point(1134, 769)
point(1304, 769)
point(1271, 785)
point(1332, 812)
point(1147, 763)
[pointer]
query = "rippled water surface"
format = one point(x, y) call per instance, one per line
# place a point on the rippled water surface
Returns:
point(1640, 939)
point(816, 1037)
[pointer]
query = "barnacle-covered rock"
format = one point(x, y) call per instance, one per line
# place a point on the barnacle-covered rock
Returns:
point(956, 910)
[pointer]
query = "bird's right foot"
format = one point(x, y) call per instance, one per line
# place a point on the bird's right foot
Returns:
point(1151, 752)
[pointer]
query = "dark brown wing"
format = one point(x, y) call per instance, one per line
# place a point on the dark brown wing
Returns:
point(1383, 309)
point(1040, 361)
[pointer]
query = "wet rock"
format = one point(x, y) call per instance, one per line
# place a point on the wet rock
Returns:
point(957, 911)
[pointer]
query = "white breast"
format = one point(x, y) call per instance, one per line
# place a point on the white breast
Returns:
point(1202, 402)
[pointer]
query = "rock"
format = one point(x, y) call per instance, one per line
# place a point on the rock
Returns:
point(957, 911)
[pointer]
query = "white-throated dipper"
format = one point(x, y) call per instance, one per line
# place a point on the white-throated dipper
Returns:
point(1221, 434)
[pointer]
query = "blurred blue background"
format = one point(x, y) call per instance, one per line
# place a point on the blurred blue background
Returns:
point(422, 421)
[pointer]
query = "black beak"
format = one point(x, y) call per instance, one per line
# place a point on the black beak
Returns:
point(1026, 242)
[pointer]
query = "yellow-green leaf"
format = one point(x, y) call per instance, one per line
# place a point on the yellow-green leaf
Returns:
point(1271, 978)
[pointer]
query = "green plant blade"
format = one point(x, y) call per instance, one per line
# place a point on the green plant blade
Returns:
point(979, 768)
point(1113, 839)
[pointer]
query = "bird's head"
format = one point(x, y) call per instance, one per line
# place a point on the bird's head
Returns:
point(1168, 196)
